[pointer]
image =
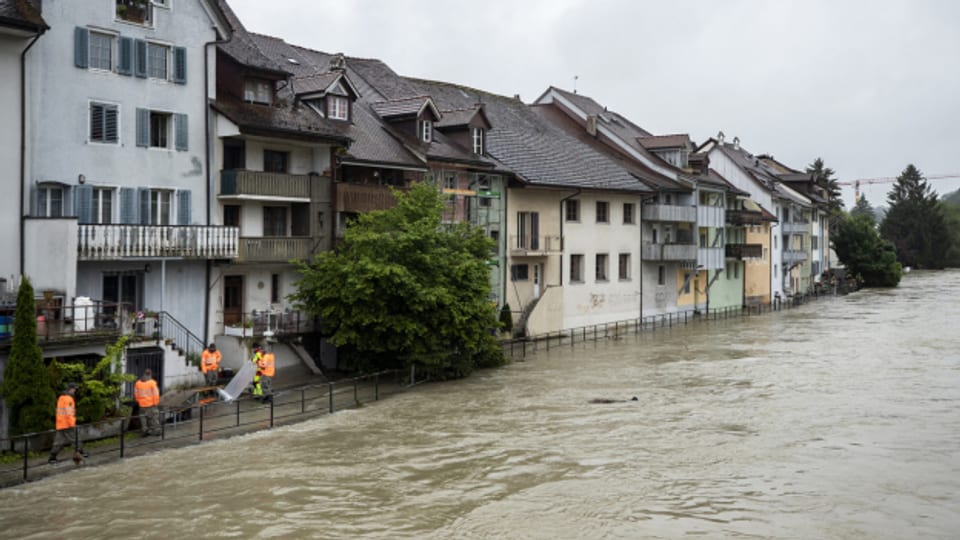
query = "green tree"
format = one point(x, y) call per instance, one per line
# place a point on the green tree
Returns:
point(865, 254)
point(915, 223)
point(951, 215)
point(823, 176)
point(404, 289)
point(100, 386)
point(26, 383)
point(864, 209)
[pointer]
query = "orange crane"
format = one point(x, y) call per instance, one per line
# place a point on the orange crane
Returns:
point(885, 180)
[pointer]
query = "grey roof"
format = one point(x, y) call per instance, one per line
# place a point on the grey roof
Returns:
point(281, 120)
point(242, 47)
point(657, 142)
point(21, 14)
point(312, 84)
point(400, 107)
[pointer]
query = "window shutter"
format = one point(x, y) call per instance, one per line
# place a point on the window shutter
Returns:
point(143, 128)
point(83, 203)
point(180, 65)
point(125, 64)
point(144, 195)
point(140, 58)
point(128, 206)
point(81, 44)
point(110, 132)
point(180, 131)
point(96, 122)
point(534, 230)
point(183, 207)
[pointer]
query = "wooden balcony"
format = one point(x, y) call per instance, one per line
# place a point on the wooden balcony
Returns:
point(275, 249)
point(360, 198)
point(669, 213)
point(253, 184)
point(744, 217)
point(744, 251)
point(669, 252)
point(115, 242)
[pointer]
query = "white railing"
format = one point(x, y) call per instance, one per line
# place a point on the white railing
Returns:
point(711, 258)
point(669, 252)
point(795, 227)
point(711, 216)
point(669, 212)
point(150, 241)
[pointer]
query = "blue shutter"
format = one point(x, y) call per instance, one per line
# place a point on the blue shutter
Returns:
point(183, 207)
point(125, 63)
point(180, 131)
point(180, 65)
point(128, 206)
point(81, 47)
point(144, 195)
point(140, 58)
point(143, 127)
point(83, 203)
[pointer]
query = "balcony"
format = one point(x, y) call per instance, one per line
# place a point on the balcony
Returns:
point(254, 184)
point(275, 249)
point(113, 242)
point(359, 198)
point(744, 251)
point(711, 216)
point(744, 217)
point(796, 227)
point(712, 258)
point(533, 246)
point(794, 256)
point(669, 213)
point(60, 325)
point(669, 252)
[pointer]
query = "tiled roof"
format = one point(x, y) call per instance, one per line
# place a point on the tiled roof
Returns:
point(21, 14)
point(656, 142)
point(311, 84)
point(457, 117)
point(400, 107)
point(374, 143)
point(281, 120)
point(243, 48)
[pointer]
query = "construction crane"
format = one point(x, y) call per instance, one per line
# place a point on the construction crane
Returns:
point(885, 180)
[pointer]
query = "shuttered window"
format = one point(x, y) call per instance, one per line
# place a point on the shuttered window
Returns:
point(180, 65)
point(153, 129)
point(101, 51)
point(103, 123)
point(180, 131)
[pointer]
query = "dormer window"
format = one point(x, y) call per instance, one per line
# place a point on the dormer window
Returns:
point(257, 91)
point(425, 130)
point(478, 141)
point(338, 108)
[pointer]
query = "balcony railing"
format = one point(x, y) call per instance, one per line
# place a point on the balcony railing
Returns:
point(711, 258)
point(72, 324)
point(264, 184)
point(744, 251)
point(711, 216)
point(669, 212)
point(360, 198)
point(534, 245)
point(669, 252)
point(105, 242)
point(795, 227)
point(744, 217)
point(267, 323)
point(274, 249)
point(792, 256)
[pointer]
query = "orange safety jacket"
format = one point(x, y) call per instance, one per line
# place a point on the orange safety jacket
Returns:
point(266, 365)
point(66, 412)
point(146, 393)
point(210, 361)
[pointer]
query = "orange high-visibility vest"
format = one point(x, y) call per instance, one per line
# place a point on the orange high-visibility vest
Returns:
point(146, 393)
point(66, 412)
point(266, 365)
point(210, 361)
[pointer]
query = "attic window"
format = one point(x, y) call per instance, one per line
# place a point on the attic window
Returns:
point(257, 91)
point(478, 141)
point(338, 108)
point(425, 130)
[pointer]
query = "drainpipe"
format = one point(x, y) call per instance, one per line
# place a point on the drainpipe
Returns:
point(207, 147)
point(23, 143)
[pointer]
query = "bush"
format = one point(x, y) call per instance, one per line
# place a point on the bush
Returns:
point(506, 318)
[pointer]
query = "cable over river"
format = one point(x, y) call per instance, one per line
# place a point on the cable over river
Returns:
point(838, 419)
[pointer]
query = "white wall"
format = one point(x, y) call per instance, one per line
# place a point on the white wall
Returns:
point(52, 263)
point(10, 49)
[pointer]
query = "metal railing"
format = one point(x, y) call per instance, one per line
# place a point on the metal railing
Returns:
point(268, 323)
point(795, 227)
point(669, 252)
point(96, 321)
point(534, 245)
point(102, 242)
point(669, 213)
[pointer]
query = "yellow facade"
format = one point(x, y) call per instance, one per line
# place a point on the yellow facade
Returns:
point(756, 284)
point(695, 293)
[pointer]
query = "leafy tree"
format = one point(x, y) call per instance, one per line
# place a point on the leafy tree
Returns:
point(951, 215)
point(26, 384)
point(915, 223)
point(405, 289)
point(864, 209)
point(865, 254)
point(98, 395)
point(823, 176)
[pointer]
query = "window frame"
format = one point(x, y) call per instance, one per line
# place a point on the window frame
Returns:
point(337, 104)
point(276, 154)
point(623, 266)
point(45, 199)
point(603, 212)
point(90, 122)
point(573, 204)
point(160, 137)
point(167, 60)
point(661, 275)
point(629, 213)
point(111, 49)
point(161, 207)
point(258, 91)
point(576, 268)
point(271, 211)
point(515, 273)
point(98, 205)
point(601, 270)
point(425, 130)
point(478, 137)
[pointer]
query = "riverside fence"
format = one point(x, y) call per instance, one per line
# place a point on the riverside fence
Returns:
point(24, 458)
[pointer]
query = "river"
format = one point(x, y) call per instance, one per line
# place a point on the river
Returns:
point(839, 419)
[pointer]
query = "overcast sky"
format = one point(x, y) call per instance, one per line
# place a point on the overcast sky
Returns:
point(869, 86)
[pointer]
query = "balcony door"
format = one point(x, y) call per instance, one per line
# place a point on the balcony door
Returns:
point(234, 154)
point(124, 289)
point(232, 300)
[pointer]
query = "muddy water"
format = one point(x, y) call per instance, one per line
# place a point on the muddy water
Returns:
point(840, 419)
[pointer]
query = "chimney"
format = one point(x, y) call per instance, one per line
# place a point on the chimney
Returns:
point(720, 137)
point(736, 143)
point(338, 63)
point(592, 124)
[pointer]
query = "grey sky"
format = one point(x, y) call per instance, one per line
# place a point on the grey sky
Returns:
point(870, 86)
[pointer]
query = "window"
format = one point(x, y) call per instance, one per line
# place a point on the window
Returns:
point(603, 212)
point(160, 206)
point(49, 201)
point(160, 129)
point(774, 242)
point(135, 11)
point(157, 58)
point(320, 220)
point(528, 230)
point(601, 269)
point(495, 236)
point(703, 239)
point(338, 108)
point(573, 209)
point(231, 215)
point(274, 221)
point(274, 288)
point(257, 91)
point(661, 275)
point(519, 272)
point(274, 161)
point(478, 140)
point(103, 206)
point(576, 268)
point(687, 278)
point(101, 51)
point(624, 266)
point(425, 130)
point(814, 242)
point(103, 123)
point(628, 213)
point(450, 182)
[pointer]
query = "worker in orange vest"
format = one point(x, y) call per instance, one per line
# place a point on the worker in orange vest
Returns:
point(67, 433)
point(210, 364)
point(263, 380)
point(147, 394)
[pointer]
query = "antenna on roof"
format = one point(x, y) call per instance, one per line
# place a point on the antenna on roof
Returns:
point(575, 83)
